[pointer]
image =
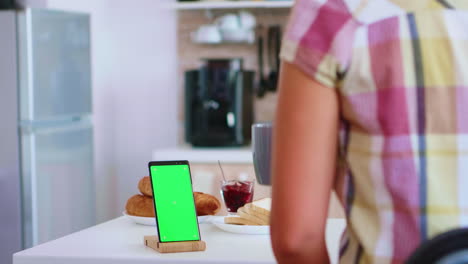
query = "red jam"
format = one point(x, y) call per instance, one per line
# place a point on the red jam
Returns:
point(236, 194)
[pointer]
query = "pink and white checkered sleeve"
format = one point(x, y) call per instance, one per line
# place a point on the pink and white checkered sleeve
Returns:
point(319, 39)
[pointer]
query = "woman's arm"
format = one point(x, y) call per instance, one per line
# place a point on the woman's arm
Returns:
point(304, 158)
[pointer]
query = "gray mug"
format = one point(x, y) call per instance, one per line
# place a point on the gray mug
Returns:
point(261, 148)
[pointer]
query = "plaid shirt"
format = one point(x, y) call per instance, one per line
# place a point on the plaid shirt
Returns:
point(400, 69)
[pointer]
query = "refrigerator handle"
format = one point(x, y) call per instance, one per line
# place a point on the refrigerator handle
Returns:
point(70, 123)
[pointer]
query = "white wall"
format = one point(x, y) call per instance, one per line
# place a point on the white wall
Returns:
point(145, 103)
point(134, 91)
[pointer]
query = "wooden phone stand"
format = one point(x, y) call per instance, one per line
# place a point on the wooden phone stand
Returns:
point(172, 247)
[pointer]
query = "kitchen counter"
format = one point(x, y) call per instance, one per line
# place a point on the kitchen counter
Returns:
point(121, 241)
point(238, 155)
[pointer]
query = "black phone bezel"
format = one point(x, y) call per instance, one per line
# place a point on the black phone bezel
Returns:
point(165, 163)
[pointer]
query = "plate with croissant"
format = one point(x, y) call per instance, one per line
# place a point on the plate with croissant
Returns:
point(139, 207)
point(151, 221)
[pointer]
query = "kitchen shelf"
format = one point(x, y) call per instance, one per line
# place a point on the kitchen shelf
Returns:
point(232, 4)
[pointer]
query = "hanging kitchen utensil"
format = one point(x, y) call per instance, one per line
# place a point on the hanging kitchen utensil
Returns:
point(262, 83)
point(274, 47)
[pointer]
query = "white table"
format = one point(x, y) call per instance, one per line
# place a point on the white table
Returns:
point(121, 241)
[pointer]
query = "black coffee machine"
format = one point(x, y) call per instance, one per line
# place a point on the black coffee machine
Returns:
point(219, 104)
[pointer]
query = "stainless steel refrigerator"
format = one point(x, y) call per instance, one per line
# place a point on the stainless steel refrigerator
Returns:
point(46, 140)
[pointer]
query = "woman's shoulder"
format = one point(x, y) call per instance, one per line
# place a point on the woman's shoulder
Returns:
point(321, 34)
point(372, 11)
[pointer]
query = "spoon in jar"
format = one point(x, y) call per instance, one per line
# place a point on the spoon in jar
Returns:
point(222, 172)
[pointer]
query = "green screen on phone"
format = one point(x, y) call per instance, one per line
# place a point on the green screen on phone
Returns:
point(176, 215)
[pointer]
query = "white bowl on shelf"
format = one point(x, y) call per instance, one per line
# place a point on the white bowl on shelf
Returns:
point(206, 34)
point(238, 35)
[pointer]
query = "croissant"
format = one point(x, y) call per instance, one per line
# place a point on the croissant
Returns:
point(206, 204)
point(140, 205)
point(144, 185)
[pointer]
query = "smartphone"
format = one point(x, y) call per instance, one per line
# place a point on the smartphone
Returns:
point(174, 205)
